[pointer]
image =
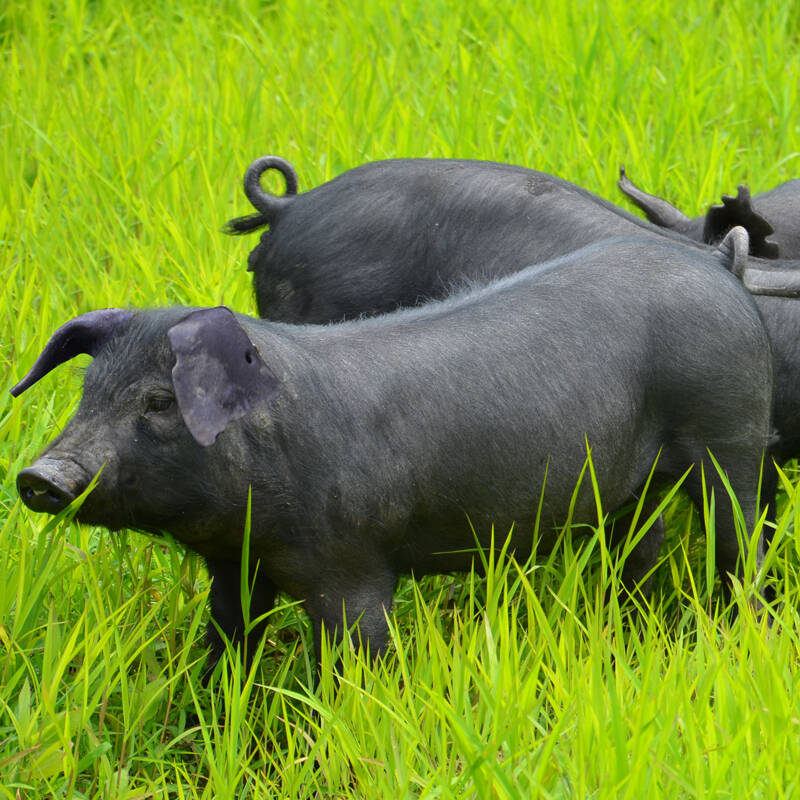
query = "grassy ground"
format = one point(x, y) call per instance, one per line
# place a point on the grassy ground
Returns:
point(125, 129)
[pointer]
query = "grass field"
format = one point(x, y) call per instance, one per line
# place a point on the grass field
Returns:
point(125, 129)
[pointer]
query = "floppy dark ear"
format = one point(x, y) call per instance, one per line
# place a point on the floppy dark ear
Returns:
point(218, 374)
point(84, 334)
point(739, 211)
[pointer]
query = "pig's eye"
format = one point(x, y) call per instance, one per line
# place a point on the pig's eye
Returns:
point(157, 403)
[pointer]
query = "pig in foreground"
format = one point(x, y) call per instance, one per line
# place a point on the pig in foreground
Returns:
point(390, 234)
point(775, 213)
point(373, 447)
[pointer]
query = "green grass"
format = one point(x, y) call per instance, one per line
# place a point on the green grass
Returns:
point(125, 129)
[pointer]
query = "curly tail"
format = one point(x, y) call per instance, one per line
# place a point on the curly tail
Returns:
point(267, 205)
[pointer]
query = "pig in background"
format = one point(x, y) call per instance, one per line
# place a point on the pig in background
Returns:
point(369, 446)
point(775, 213)
point(396, 233)
point(390, 234)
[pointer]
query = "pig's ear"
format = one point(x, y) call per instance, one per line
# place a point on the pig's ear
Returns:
point(218, 374)
point(739, 211)
point(732, 251)
point(84, 334)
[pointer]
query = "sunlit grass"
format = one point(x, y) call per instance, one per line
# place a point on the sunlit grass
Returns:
point(125, 130)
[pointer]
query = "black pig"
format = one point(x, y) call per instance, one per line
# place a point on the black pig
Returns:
point(775, 213)
point(373, 447)
point(390, 234)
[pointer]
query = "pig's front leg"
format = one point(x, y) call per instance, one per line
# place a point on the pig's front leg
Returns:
point(364, 603)
point(226, 609)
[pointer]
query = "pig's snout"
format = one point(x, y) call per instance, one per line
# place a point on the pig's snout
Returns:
point(46, 487)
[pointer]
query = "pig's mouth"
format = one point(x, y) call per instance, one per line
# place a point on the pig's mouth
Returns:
point(50, 485)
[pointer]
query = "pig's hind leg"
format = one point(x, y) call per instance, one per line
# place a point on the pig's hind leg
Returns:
point(637, 577)
point(731, 539)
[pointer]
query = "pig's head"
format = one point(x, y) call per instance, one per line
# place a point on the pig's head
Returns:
point(739, 211)
point(161, 389)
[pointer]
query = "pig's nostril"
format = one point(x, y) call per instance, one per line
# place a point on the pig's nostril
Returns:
point(51, 495)
point(41, 493)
